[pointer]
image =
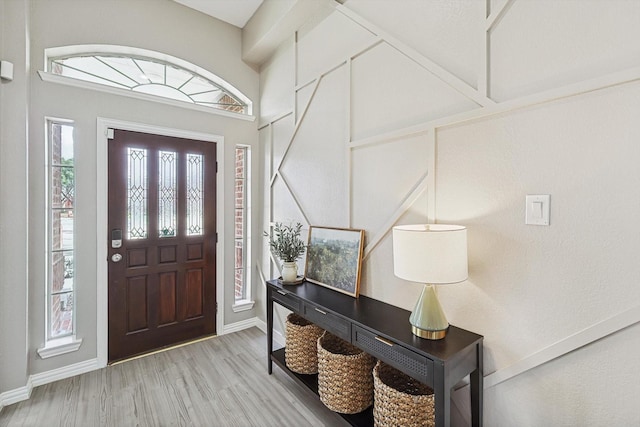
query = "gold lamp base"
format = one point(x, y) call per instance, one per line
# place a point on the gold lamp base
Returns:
point(427, 318)
point(430, 335)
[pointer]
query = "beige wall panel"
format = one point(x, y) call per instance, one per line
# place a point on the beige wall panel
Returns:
point(285, 208)
point(445, 31)
point(303, 95)
point(277, 80)
point(264, 140)
point(530, 287)
point(316, 165)
point(282, 133)
point(327, 44)
point(400, 93)
point(383, 176)
point(547, 282)
point(378, 280)
point(544, 44)
point(583, 388)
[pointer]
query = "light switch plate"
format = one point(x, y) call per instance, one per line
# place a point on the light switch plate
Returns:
point(6, 70)
point(537, 209)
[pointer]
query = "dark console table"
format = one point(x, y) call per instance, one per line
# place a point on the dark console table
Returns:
point(383, 331)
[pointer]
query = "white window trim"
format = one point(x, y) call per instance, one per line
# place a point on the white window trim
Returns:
point(69, 343)
point(58, 346)
point(242, 305)
point(68, 81)
point(61, 51)
point(247, 302)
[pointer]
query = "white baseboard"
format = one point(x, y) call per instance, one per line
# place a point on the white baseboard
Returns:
point(64, 372)
point(261, 325)
point(278, 338)
point(16, 395)
point(23, 393)
point(239, 326)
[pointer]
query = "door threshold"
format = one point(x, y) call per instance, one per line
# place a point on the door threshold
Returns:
point(161, 350)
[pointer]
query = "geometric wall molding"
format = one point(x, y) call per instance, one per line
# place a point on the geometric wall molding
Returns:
point(435, 69)
point(368, 147)
point(566, 345)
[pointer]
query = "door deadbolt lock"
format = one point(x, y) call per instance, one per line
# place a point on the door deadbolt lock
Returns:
point(116, 238)
point(116, 257)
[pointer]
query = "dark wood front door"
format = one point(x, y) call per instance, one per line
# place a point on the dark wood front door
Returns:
point(162, 273)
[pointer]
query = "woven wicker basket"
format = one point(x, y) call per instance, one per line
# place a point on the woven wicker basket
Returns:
point(400, 400)
point(300, 352)
point(345, 383)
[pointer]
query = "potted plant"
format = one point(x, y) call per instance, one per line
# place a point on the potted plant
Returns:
point(286, 244)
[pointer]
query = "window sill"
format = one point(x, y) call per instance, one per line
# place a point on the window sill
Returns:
point(58, 346)
point(242, 305)
point(54, 78)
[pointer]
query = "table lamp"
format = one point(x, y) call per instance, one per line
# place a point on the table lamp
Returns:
point(433, 254)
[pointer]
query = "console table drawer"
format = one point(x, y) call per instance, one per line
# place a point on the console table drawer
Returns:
point(327, 321)
point(409, 362)
point(287, 299)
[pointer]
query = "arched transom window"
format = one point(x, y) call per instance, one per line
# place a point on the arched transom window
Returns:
point(147, 72)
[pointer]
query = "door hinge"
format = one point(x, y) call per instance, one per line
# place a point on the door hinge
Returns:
point(216, 308)
point(216, 167)
point(216, 237)
point(110, 133)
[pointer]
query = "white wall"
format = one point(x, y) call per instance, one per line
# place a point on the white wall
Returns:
point(163, 26)
point(417, 111)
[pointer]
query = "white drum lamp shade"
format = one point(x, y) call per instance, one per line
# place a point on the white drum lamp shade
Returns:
point(433, 254)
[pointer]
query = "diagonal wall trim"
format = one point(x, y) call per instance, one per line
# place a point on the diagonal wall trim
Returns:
point(408, 201)
point(275, 119)
point(610, 80)
point(494, 19)
point(293, 195)
point(435, 69)
point(573, 342)
point(322, 74)
point(295, 130)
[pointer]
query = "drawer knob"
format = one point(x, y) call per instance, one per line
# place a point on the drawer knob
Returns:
point(384, 341)
point(281, 292)
point(320, 311)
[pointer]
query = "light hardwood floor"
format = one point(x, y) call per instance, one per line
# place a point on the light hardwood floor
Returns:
point(222, 381)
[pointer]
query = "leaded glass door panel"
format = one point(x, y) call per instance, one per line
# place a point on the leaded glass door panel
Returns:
point(162, 241)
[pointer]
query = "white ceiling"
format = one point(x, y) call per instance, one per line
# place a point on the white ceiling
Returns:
point(235, 12)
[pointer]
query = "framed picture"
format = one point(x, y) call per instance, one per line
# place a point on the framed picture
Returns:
point(334, 258)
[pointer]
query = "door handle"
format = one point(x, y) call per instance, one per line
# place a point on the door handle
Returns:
point(116, 257)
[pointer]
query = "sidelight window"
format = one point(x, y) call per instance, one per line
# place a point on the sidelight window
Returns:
point(61, 221)
point(241, 225)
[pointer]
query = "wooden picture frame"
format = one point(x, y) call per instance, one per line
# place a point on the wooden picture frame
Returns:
point(334, 258)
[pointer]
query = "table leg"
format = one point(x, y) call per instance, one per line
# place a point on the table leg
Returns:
point(442, 398)
point(269, 330)
point(476, 386)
